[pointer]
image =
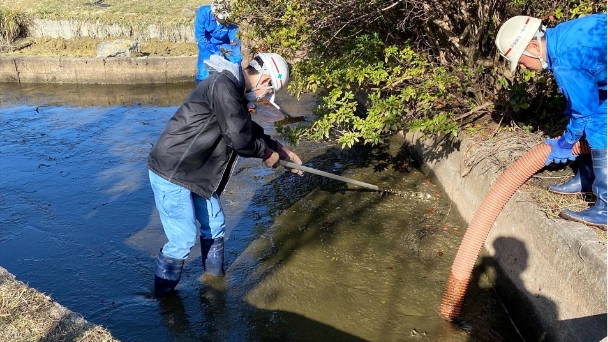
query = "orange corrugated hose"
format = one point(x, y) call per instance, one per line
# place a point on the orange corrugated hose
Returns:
point(477, 232)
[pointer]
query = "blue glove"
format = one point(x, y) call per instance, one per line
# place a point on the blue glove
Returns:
point(561, 151)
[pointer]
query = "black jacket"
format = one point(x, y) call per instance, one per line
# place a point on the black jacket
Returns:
point(198, 148)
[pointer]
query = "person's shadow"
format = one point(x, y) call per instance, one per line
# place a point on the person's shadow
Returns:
point(224, 317)
point(491, 283)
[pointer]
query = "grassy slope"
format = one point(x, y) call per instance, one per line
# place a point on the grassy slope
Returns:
point(28, 315)
point(134, 12)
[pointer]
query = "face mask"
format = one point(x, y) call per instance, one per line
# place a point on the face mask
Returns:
point(539, 34)
point(250, 96)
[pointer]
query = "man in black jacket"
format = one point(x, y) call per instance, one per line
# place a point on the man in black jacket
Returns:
point(194, 157)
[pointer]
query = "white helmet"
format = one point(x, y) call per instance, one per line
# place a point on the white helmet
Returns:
point(274, 66)
point(513, 38)
point(220, 9)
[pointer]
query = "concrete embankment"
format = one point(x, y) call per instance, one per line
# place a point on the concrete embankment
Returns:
point(550, 273)
point(138, 70)
point(69, 29)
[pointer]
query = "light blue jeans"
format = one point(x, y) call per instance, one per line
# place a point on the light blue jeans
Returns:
point(179, 209)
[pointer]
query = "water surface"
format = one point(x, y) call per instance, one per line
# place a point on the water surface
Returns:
point(309, 258)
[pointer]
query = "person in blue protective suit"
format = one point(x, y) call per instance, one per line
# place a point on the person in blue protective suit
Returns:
point(193, 159)
point(575, 52)
point(215, 36)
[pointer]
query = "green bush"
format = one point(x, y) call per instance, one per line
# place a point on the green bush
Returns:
point(381, 66)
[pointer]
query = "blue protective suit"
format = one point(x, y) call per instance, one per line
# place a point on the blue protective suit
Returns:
point(576, 54)
point(214, 38)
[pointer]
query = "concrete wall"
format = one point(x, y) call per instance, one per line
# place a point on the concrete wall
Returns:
point(555, 268)
point(139, 70)
point(73, 28)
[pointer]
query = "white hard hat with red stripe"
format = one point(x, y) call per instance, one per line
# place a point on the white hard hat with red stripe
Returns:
point(274, 66)
point(514, 36)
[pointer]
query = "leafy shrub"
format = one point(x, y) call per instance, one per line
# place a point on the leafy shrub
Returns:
point(380, 66)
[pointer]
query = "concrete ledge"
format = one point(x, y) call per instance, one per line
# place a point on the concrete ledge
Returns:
point(555, 268)
point(139, 70)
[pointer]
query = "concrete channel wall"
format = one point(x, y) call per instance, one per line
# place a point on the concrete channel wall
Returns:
point(138, 70)
point(102, 70)
point(551, 273)
point(69, 29)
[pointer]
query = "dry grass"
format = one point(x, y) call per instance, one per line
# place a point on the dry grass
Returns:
point(497, 150)
point(552, 204)
point(87, 47)
point(138, 13)
point(13, 24)
point(28, 315)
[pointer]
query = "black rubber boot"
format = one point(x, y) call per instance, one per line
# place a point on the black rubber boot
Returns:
point(168, 272)
point(596, 215)
point(212, 251)
point(582, 181)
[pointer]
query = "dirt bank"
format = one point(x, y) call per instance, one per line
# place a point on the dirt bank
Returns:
point(87, 47)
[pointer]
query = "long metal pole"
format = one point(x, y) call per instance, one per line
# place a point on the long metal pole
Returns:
point(328, 175)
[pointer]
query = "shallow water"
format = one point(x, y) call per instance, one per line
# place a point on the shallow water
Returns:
point(310, 259)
